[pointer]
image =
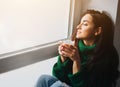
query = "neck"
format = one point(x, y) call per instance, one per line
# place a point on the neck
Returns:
point(88, 42)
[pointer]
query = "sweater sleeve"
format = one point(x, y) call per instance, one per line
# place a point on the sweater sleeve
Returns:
point(78, 79)
point(61, 70)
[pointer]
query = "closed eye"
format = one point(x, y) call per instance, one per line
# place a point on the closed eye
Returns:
point(85, 24)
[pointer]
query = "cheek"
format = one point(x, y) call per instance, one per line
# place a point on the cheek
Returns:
point(84, 34)
point(89, 31)
point(89, 34)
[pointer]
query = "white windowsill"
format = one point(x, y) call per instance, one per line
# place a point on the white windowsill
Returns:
point(27, 76)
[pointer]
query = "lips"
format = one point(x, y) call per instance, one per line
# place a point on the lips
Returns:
point(78, 34)
point(78, 31)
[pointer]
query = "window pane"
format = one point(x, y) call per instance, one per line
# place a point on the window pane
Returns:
point(27, 23)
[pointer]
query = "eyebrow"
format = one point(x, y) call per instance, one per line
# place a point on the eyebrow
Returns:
point(85, 21)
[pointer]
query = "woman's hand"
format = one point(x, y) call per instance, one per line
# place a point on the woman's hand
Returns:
point(70, 51)
point(63, 58)
point(66, 50)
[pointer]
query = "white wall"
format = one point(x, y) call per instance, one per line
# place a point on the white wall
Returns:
point(103, 5)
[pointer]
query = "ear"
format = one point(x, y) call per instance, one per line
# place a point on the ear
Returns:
point(98, 31)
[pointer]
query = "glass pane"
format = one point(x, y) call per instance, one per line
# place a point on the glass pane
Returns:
point(27, 23)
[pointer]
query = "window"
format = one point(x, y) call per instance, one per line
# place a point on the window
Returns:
point(28, 23)
point(30, 30)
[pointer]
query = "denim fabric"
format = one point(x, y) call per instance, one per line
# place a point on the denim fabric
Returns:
point(59, 84)
point(50, 81)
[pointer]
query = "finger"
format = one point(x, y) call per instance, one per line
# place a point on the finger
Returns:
point(68, 50)
point(59, 50)
point(65, 45)
point(68, 47)
point(64, 53)
point(60, 42)
point(72, 47)
point(62, 50)
point(70, 55)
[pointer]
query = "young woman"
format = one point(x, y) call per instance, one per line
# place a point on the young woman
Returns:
point(92, 61)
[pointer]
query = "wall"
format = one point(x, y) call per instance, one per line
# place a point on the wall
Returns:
point(106, 5)
point(117, 32)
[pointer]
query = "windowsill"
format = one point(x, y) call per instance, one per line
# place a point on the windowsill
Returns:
point(20, 59)
point(27, 76)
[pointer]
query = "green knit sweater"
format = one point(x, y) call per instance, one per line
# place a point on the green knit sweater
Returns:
point(63, 71)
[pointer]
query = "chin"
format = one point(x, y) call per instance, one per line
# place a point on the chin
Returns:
point(77, 37)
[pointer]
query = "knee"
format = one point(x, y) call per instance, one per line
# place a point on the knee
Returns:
point(43, 78)
point(41, 82)
point(46, 80)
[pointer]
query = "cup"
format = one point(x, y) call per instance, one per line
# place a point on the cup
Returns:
point(67, 42)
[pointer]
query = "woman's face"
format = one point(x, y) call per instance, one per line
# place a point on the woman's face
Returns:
point(86, 29)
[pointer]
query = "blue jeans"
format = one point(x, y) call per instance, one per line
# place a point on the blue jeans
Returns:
point(50, 81)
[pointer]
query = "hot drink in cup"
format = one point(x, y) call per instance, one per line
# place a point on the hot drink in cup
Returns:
point(67, 42)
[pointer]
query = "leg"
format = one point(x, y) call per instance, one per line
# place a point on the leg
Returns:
point(46, 81)
point(59, 84)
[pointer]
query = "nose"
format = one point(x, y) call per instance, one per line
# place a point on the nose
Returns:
point(79, 26)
